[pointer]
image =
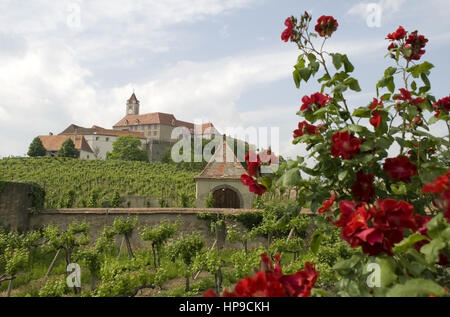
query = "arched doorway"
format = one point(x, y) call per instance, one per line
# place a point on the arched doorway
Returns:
point(226, 198)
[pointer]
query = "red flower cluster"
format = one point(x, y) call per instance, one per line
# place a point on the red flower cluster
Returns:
point(441, 186)
point(398, 35)
point(363, 189)
point(253, 162)
point(376, 229)
point(315, 101)
point(345, 145)
point(405, 95)
point(376, 114)
point(400, 168)
point(305, 127)
point(413, 43)
point(270, 282)
point(287, 33)
point(442, 105)
point(326, 204)
point(326, 25)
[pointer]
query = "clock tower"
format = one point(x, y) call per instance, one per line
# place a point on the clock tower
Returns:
point(132, 105)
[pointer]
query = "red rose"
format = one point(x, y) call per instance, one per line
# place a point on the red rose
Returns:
point(440, 186)
point(398, 35)
point(400, 168)
point(305, 127)
point(442, 105)
point(405, 95)
point(376, 229)
point(270, 282)
point(287, 33)
point(326, 204)
point(363, 189)
point(376, 118)
point(326, 25)
point(253, 186)
point(417, 43)
point(345, 145)
point(316, 100)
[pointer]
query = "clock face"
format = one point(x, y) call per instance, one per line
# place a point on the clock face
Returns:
point(130, 110)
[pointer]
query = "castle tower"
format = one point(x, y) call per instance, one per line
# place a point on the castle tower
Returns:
point(132, 105)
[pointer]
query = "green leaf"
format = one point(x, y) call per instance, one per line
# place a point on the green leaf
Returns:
point(432, 250)
point(387, 271)
point(399, 189)
point(314, 67)
point(291, 178)
point(348, 67)
point(408, 242)
point(311, 57)
point(316, 239)
point(436, 225)
point(433, 120)
point(320, 111)
point(390, 71)
point(345, 266)
point(342, 175)
point(417, 70)
point(353, 84)
point(297, 78)
point(362, 112)
point(415, 288)
point(356, 128)
point(337, 60)
point(305, 73)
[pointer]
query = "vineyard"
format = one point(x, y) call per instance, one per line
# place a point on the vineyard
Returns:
point(34, 264)
point(82, 183)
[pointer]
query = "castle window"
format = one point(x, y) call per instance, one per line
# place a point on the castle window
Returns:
point(107, 139)
point(155, 133)
point(96, 138)
point(137, 121)
point(126, 122)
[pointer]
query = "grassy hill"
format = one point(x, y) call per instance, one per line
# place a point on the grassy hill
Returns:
point(85, 183)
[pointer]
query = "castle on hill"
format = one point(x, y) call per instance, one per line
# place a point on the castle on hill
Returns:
point(153, 129)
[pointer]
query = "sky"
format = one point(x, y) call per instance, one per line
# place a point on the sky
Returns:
point(78, 61)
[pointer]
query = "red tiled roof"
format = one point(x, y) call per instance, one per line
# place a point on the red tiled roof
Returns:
point(77, 130)
point(153, 118)
point(218, 167)
point(149, 118)
point(54, 142)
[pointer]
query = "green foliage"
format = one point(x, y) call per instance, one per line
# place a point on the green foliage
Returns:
point(36, 148)
point(116, 201)
point(54, 288)
point(68, 149)
point(127, 148)
point(158, 236)
point(124, 226)
point(186, 248)
point(58, 176)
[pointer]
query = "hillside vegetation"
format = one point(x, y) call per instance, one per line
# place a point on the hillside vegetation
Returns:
point(84, 183)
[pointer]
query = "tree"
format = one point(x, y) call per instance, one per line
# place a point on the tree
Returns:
point(127, 148)
point(36, 148)
point(68, 149)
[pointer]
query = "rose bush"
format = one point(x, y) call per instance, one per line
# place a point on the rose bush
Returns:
point(377, 171)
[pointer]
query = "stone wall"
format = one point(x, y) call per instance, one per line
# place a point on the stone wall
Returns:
point(17, 201)
point(98, 218)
